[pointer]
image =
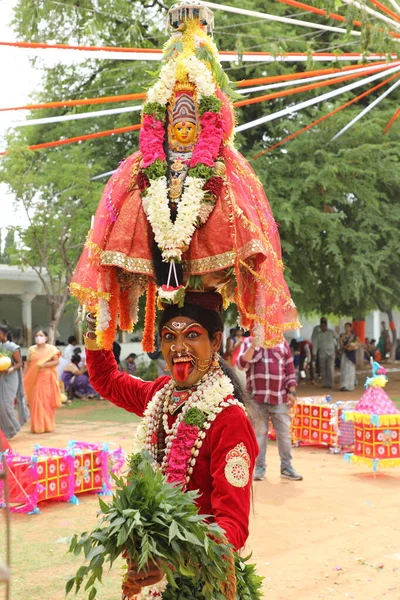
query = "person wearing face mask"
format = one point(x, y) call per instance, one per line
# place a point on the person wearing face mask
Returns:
point(221, 460)
point(9, 383)
point(41, 384)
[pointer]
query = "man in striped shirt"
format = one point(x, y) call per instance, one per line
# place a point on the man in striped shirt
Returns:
point(271, 380)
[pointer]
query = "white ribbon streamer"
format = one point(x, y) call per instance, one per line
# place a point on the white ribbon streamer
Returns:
point(144, 56)
point(317, 100)
point(74, 117)
point(395, 5)
point(269, 17)
point(310, 79)
point(366, 110)
point(102, 175)
point(375, 13)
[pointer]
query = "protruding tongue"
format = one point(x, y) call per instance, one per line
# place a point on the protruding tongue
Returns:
point(180, 370)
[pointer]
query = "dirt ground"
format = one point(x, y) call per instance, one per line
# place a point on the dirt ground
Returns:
point(334, 535)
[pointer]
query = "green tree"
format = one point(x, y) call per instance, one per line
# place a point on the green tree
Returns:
point(58, 203)
point(9, 244)
point(55, 186)
point(339, 212)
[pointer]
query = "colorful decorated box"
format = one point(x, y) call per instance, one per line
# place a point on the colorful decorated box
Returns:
point(60, 474)
point(317, 422)
point(377, 425)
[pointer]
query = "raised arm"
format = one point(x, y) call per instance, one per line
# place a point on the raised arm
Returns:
point(123, 390)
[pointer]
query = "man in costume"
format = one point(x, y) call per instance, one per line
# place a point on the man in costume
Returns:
point(186, 218)
point(186, 211)
point(219, 459)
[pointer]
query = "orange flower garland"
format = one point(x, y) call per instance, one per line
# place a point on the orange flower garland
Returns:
point(150, 318)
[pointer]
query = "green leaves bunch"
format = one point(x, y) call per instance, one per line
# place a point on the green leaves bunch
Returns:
point(153, 520)
point(248, 584)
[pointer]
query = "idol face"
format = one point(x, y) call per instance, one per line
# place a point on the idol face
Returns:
point(185, 133)
point(188, 350)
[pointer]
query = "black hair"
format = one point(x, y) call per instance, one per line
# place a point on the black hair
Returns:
point(76, 359)
point(211, 320)
point(77, 350)
point(348, 323)
point(131, 355)
point(5, 329)
point(239, 391)
point(43, 331)
point(71, 339)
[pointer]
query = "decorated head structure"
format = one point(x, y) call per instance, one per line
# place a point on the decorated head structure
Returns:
point(182, 12)
point(192, 201)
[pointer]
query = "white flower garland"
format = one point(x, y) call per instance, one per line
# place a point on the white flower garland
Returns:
point(162, 91)
point(209, 396)
point(212, 397)
point(173, 237)
point(200, 75)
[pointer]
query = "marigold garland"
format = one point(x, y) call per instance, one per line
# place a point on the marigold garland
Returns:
point(150, 318)
point(107, 315)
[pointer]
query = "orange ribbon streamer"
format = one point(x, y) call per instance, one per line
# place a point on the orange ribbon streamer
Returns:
point(335, 16)
point(142, 95)
point(305, 88)
point(386, 10)
point(159, 51)
point(318, 11)
point(82, 138)
point(330, 114)
point(81, 102)
point(304, 75)
point(392, 120)
point(72, 47)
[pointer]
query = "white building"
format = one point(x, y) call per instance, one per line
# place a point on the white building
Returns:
point(24, 307)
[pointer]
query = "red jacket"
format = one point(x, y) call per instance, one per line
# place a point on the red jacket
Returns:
point(231, 432)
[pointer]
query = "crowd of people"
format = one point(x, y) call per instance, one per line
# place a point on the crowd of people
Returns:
point(35, 385)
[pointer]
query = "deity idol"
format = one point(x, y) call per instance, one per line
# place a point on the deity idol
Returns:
point(186, 212)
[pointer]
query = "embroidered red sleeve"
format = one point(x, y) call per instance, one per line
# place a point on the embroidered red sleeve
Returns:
point(233, 452)
point(131, 393)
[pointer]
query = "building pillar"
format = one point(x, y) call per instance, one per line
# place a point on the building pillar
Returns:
point(376, 324)
point(125, 337)
point(26, 300)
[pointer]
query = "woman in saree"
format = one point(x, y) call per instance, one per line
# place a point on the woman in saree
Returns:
point(41, 384)
point(9, 383)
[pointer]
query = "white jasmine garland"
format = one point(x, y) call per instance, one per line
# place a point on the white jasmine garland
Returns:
point(200, 75)
point(173, 237)
point(103, 315)
point(212, 395)
point(163, 89)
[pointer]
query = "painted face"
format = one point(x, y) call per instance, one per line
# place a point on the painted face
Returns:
point(185, 132)
point(187, 350)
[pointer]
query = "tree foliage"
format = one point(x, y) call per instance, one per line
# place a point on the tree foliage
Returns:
point(330, 256)
point(339, 212)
